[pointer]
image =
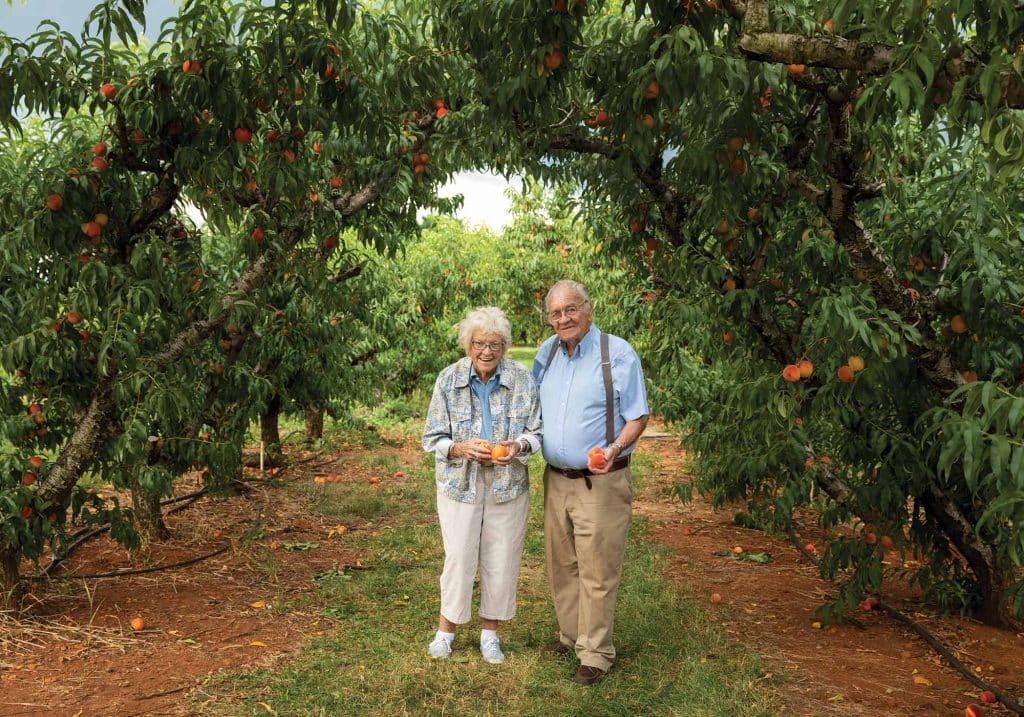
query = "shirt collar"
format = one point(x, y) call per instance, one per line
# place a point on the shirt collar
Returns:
point(589, 339)
point(464, 370)
point(473, 373)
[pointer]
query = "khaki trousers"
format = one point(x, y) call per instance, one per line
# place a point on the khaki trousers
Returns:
point(585, 542)
point(485, 534)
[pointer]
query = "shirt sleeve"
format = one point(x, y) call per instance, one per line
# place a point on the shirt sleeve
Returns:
point(630, 384)
point(437, 433)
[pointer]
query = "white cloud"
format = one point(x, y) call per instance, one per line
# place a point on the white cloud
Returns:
point(484, 200)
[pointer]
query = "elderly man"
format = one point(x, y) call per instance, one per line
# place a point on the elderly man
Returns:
point(592, 397)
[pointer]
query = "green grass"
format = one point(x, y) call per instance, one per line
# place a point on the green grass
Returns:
point(671, 661)
point(361, 504)
point(523, 354)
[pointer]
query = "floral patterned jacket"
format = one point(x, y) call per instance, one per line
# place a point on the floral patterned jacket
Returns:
point(454, 415)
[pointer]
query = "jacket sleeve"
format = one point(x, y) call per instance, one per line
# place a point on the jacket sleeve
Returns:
point(534, 430)
point(437, 432)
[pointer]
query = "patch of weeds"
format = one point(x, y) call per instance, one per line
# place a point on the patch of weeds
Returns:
point(292, 547)
point(252, 535)
point(384, 462)
point(354, 502)
point(264, 561)
point(394, 411)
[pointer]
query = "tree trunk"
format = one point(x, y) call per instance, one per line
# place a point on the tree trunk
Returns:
point(9, 585)
point(148, 518)
point(270, 432)
point(992, 579)
point(314, 423)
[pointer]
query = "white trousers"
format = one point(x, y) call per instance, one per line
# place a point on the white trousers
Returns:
point(485, 534)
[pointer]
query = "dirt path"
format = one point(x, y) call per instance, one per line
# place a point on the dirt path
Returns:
point(836, 670)
point(249, 606)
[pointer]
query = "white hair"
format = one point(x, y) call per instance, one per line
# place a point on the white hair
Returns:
point(484, 320)
point(567, 284)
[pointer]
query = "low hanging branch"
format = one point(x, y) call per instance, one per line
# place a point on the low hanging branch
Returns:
point(839, 53)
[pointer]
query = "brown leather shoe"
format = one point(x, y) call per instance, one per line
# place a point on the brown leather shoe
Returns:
point(588, 675)
point(556, 648)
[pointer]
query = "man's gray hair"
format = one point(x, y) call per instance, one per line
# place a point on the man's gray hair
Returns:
point(484, 320)
point(567, 284)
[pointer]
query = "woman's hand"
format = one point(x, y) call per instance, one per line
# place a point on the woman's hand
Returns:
point(475, 449)
point(512, 449)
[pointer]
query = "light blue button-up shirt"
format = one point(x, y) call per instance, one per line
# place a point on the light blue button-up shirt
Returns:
point(573, 400)
point(483, 395)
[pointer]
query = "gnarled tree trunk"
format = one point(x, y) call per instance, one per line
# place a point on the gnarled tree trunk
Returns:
point(270, 432)
point(991, 577)
point(9, 585)
point(148, 519)
point(314, 422)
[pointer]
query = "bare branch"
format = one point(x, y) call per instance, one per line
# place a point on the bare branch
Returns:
point(870, 58)
point(80, 450)
point(832, 51)
point(585, 145)
point(736, 8)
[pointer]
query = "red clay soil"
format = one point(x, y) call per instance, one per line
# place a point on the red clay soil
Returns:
point(881, 668)
point(75, 653)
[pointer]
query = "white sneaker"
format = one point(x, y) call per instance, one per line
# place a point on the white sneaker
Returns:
point(440, 649)
point(491, 650)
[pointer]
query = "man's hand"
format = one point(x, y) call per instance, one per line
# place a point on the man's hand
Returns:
point(610, 454)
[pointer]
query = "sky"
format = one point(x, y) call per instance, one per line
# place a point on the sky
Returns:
point(484, 202)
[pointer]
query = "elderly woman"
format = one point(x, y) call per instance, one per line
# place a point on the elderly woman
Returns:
point(483, 422)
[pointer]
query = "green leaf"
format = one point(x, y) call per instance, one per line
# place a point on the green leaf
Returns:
point(999, 455)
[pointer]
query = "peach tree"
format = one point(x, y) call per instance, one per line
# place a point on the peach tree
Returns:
point(161, 206)
point(833, 183)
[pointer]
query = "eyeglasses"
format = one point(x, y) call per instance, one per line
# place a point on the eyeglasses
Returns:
point(494, 346)
point(570, 312)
